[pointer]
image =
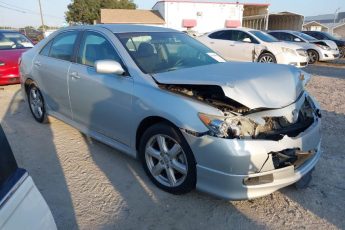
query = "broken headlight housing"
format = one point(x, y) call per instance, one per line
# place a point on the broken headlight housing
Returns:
point(231, 127)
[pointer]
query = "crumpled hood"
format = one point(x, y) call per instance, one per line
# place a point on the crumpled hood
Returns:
point(330, 43)
point(254, 85)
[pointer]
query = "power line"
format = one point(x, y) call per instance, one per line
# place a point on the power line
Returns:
point(23, 10)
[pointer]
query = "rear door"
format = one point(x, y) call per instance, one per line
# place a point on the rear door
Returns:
point(51, 67)
point(220, 42)
point(100, 102)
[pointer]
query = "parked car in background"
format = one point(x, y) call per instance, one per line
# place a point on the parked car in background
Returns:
point(21, 204)
point(34, 35)
point(12, 45)
point(242, 44)
point(235, 130)
point(318, 50)
point(327, 36)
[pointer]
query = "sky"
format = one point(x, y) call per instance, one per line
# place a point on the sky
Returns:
point(26, 12)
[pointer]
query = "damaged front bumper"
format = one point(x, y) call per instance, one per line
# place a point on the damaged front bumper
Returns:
point(249, 168)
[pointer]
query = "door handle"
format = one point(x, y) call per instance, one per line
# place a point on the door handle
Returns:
point(74, 75)
point(232, 45)
point(211, 42)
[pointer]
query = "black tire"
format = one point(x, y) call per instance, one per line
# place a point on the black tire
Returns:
point(313, 56)
point(342, 52)
point(39, 117)
point(267, 58)
point(168, 130)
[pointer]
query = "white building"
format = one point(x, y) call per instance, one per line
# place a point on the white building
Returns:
point(200, 16)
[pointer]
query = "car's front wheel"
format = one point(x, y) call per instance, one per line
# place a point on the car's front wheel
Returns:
point(36, 104)
point(342, 52)
point(267, 58)
point(167, 159)
point(313, 56)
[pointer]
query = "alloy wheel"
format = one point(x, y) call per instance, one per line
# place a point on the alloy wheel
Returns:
point(36, 102)
point(166, 160)
point(312, 56)
point(266, 59)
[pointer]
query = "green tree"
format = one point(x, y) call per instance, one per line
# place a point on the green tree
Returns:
point(86, 11)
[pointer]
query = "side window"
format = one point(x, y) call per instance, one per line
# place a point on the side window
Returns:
point(318, 36)
point(95, 47)
point(222, 35)
point(63, 46)
point(287, 37)
point(241, 36)
point(46, 49)
point(277, 35)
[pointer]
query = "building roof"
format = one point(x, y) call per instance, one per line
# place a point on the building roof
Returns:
point(315, 23)
point(285, 13)
point(119, 16)
point(129, 28)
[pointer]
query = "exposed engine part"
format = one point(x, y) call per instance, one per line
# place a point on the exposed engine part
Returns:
point(210, 94)
point(274, 128)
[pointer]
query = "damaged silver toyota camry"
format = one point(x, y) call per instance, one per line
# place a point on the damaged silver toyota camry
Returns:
point(234, 130)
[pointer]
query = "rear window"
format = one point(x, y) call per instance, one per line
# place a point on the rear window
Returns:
point(14, 40)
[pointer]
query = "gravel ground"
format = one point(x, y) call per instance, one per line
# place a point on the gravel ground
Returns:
point(91, 186)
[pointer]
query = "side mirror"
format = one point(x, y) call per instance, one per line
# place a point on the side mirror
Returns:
point(109, 66)
point(248, 40)
point(297, 39)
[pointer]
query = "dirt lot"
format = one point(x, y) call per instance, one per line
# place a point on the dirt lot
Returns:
point(91, 186)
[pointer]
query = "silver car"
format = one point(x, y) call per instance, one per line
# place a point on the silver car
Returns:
point(234, 130)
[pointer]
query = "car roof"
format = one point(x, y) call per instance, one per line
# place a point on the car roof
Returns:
point(125, 28)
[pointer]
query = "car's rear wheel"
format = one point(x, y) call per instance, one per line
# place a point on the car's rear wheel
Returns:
point(36, 104)
point(313, 56)
point(167, 159)
point(267, 58)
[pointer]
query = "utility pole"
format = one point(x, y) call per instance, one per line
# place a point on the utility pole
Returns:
point(335, 17)
point(43, 29)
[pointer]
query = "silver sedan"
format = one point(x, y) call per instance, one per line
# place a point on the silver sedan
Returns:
point(234, 130)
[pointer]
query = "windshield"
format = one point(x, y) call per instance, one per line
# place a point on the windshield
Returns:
point(156, 52)
point(264, 36)
point(13, 40)
point(330, 36)
point(304, 36)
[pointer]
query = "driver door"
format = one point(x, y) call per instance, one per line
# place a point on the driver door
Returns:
point(244, 46)
point(100, 102)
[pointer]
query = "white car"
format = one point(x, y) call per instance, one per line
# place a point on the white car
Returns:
point(244, 44)
point(318, 50)
point(21, 204)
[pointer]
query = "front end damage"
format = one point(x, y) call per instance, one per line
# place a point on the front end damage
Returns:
point(248, 153)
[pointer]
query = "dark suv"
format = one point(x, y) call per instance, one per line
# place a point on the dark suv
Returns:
point(326, 36)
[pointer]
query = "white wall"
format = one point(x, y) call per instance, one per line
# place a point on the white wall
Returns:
point(209, 16)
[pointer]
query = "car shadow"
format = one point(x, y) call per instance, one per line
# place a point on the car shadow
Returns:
point(325, 195)
point(331, 70)
point(23, 131)
point(147, 207)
